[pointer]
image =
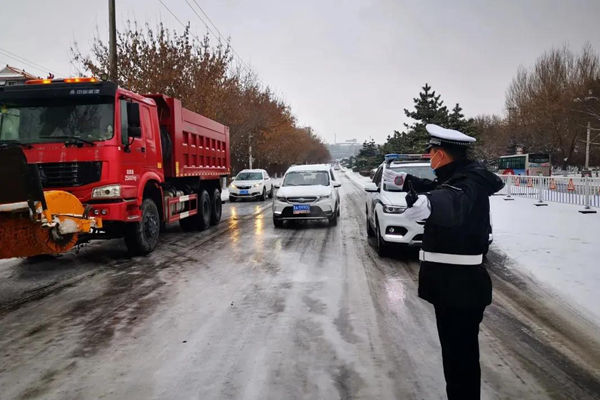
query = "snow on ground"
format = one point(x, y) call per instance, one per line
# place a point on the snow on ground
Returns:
point(555, 244)
point(357, 178)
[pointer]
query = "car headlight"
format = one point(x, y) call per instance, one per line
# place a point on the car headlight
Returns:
point(281, 198)
point(324, 197)
point(107, 192)
point(233, 186)
point(393, 209)
point(256, 184)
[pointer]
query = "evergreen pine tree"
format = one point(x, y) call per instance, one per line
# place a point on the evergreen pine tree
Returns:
point(369, 156)
point(428, 109)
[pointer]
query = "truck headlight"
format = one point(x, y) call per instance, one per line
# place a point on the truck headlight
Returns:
point(107, 192)
point(393, 209)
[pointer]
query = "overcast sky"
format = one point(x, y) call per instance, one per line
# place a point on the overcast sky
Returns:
point(347, 68)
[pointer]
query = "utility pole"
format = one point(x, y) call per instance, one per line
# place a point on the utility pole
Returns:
point(587, 147)
point(250, 150)
point(112, 37)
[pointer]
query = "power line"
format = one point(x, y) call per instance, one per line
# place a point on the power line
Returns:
point(208, 18)
point(220, 36)
point(200, 18)
point(172, 13)
point(178, 20)
point(25, 61)
point(219, 32)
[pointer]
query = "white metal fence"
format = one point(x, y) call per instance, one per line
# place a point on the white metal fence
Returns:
point(569, 190)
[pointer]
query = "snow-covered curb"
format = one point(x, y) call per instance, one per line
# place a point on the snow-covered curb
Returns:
point(556, 245)
point(357, 178)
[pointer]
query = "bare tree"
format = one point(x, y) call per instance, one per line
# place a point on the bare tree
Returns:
point(542, 112)
point(158, 60)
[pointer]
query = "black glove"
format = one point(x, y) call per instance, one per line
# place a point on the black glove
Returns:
point(411, 195)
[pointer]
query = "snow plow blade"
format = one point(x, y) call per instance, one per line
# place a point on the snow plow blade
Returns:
point(34, 222)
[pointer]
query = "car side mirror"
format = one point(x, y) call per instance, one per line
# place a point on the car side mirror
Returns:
point(337, 184)
point(277, 186)
point(371, 187)
point(266, 179)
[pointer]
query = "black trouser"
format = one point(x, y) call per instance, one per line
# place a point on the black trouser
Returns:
point(458, 329)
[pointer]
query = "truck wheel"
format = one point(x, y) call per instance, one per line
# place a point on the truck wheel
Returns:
point(141, 237)
point(201, 220)
point(217, 207)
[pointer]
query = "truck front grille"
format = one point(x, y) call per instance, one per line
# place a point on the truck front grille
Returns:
point(69, 174)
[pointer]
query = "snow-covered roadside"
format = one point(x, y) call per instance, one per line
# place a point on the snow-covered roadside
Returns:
point(357, 178)
point(556, 245)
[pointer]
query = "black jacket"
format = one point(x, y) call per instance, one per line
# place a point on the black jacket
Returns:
point(459, 224)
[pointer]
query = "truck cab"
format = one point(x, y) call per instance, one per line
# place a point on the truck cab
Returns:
point(114, 149)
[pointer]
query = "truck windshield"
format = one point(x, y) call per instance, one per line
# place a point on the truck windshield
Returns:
point(55, 120)
point(249, 176)
point(306, 178)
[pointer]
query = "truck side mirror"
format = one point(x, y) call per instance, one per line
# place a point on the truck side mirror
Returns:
point(134, 129)
point(134, 132)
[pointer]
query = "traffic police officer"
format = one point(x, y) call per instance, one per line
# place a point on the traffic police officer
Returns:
point(456, 210)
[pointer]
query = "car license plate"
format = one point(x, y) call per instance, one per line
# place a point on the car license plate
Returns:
point(243, 192)
point(301, 209)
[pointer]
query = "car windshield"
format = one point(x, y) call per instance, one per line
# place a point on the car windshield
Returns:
point(249, 176)
point(55, 120)
point(420, 171)
point(306, 178)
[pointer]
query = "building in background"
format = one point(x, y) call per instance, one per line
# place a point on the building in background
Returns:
point(345, 149)
point(13, 76)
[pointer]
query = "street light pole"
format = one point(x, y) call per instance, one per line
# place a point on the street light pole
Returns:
point(587, 147)
point(589, 128)
point(250, 150)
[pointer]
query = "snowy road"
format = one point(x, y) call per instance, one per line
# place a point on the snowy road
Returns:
point(244, 311)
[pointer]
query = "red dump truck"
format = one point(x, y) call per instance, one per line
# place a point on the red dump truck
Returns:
point(82, 158)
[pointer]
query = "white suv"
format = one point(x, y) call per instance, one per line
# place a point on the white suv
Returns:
point(308, 192)
point(251, 183)
point(385, 205)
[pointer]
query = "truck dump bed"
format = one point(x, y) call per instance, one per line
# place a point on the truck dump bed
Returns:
point(196, 146)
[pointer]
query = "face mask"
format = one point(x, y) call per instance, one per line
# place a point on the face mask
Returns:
point(436, 159)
